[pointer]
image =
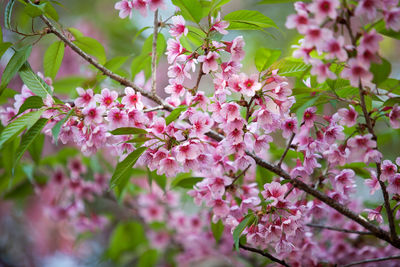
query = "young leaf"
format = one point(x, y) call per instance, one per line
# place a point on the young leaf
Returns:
point(128, 130)
point(161, 180)
point(126, 165)
point(240, 228)
point(15, 63)
point(175, 114)
point(186, 182)
point(7, 14)
point(34, 82)
point(381, 71)
point(288, 67)
point(34, 10)
point(191, 9)
point(28, 138)
point(265, 57)
point(4, 47)
point(92, 47)
point(248, 20)
point(35, 150)
point(217, 230)
point(17, 126)
point(56, 129)
point(51, 11)
point(148, 258)
point(32, 102)
point(53, 58)
point(115, 63)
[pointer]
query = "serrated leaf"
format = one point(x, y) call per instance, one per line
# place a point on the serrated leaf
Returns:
point(32, 102)
point(287, 67)
point(7, 14)
point(57, 128)
point(34, 10)
point(115, 63)
point(15, 63)
point(175, 114)
point(266, 57)
point(128, 130)
point(18, 125)
point(391, 102)
point(28, 138)
point(125, 165)
point(191, 9)
point(217, 230)
point(34, 82)
point(35, 150)
point(92, 47)
point(161, 180)
point(240, 228)
point(51, 11)
point(381, 71)
point(248, 19)
point(75, 32)
point(53, 58)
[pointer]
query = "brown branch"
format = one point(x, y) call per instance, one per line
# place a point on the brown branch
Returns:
point(378, 232)
point(154, 55)
point(338, 229)
point(200, 75)
point(286, 150)
point(265, 254)
point(372, 260)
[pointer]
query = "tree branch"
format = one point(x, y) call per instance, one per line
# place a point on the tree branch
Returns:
point(154, 55)
point(372, 260)
point(286, 150)
point(378, 232)
point(338, 229)
point(265, 254)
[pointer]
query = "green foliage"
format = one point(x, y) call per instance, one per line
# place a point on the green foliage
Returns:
point(186, 182)
point(266, 57)
point(92, 47)
point(267, 2)
point(217, 230)
point(36, 148)
point(175, 114)
point(381, 71)
point(149, 258)
point(190, 9)
point(15, 63)
point(28, 138)
point(128, 130)
point(18, 125)
point(161, 180)
point(7, 13)
point(56, 129)
point(248, 220)
point(248, 20)
point(32, 102)
point(125, 165)
point(34, 82)
point(53, 59)
point(290, 67)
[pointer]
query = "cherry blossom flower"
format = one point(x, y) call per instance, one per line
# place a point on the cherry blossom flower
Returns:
point(178, 27)
point(274, 191)
point(85, 97)
point(394, 117)
point(375, 214)
point(323, 9)
point(219, 25)
point(357, 72)
point(93, 114)
point(140, 5)
point(394, 184)
point(388, 170)
point(132, 99)
point(300, 21)
point(106, 98)
point(321, 70)
point(156, 4)
point(392, 18)
point(209, 62)
point(348, 116)
point(125, 8)
point(309, 117)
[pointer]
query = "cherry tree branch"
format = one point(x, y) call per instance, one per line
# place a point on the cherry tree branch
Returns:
point(378, 232)
point(372, 260)
point(286, 150)
point(154, 55)
point(265, 254)
point(338, 229)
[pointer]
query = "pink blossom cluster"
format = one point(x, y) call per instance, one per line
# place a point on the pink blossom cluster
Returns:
point(126, 7)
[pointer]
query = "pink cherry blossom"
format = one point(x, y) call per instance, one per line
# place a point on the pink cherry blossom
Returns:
point(357, 72)
point(132, 99)
point(323, 9)
point(209, 62)
point(348, 116)
point(394, 117)
point(140, 5)
point(106, 98)
point(125, 8)
point(322, 71)
point(300, 21)
point(375, 214)
point(219, 25)
point(85, 97)
point(93, 114)
point(178, 27)
point(309, 117)
point(388, 170)
point(394, 184)
point(392, 18)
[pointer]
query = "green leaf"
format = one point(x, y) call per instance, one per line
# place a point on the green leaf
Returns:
point(28, 138)
point(7, 14)
point(53, 59)
point(240, 228)
point(75, 32)
point(217, 230)
point(381, 28)
point(381, 71)
point(186, 182)
point(265, 57)
point(115, 63)
point(15, 63)
point(4, 47)
point(34, 82)
point(35, 150)
point(288, 67)
point(68, 84)
point(267, 2)
point(57, 128)
point(18, 125)
point(7, 93)
point(34, 10)
point(161, 180)
point(92, 47)
point(175, 114)
point(128, 130)
point(391, 102)
point(218, 3)
point(248, 20)
point(32, 102)
point(148, 45)
point(191, 9)
point(139, 63)
point(20, 191)
point(51, 11)
point(126, 165)
point(148, 259)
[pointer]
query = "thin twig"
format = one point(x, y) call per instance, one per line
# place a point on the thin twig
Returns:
point(372, 260)
point(286, 150)
point(153, 109)
point(154, 55)
point(338, 229)
point(239, 175)
point(200, 75)
point(265, 254)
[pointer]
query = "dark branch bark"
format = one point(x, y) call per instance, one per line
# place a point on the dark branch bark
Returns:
point(265, 254)
point(372, 260)
point(154, 55)
point(338, 229)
